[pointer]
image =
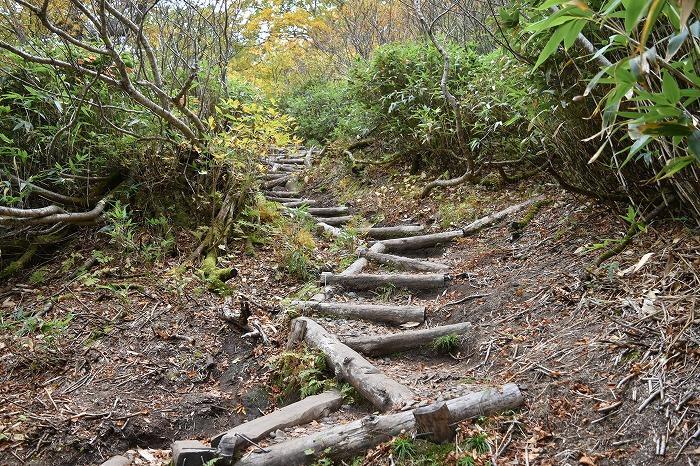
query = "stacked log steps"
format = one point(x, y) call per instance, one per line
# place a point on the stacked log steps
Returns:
point(345, 354)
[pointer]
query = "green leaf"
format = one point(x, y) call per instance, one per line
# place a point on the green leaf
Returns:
point(634, 9)
point(550, 3)
point(594, 81)
point(675, 43)
point(670, 88)
point(573, 32)
point(551, 45)
point(666, 128)
point(694, 144)
point(654, 12)
point(638, 145)
point(675, 165)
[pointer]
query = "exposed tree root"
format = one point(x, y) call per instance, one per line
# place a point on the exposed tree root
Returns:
point(632, 231)
point(519, 225)
point(584, 192)
point(20, 263)
point(362, 143)
point(445, 183)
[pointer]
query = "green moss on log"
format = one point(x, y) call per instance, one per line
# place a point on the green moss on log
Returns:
point(20, 263)
point(216, 277)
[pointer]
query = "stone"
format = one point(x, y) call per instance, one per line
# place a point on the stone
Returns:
point(117, 461)
point(191, 453)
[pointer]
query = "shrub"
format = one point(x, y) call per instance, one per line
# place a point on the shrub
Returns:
point(318, 108)
point(400, 86)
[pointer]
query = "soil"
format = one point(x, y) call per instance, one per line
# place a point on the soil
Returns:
point(608, 360)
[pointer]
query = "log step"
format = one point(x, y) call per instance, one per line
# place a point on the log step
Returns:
point(295, 414)
point(404, 263)
point(477, 225)
point(383, 392)
point(285, 161)
point(366, 281)
point(400, 231)
point(334, 221)
point(276, 167)
point(303, 202)
point(283, 199)
point(377, 345)
point(274, 176)
point(277, 182)
point(329, 211)
point(355, 438)
point(283, 193)
point(372, 312)
point(421, 241)
point(326, 228)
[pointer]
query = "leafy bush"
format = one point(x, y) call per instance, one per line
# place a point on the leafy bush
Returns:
point(318, 107)
point(641, 85)
point(300, 373)
point(400, 86)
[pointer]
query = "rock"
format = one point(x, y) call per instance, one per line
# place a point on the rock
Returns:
point(191, 453)
point(117, 461)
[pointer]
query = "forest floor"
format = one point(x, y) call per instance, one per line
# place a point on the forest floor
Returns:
point(128, 357)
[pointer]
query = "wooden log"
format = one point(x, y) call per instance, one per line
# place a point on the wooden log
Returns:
point(334, 221)
point(372, 312)
point(355, 438)
point(383, 392)
point(274, 176)
point(329, 211)
point(297, 161)
point(368, 281)
point(399, 231)
point(361, 262)
point(297, 330)
point(279, 167)
point(280, 193)
point(497, 216)
point(433, 423)
point(326, 228)
point(283, 199)
point(404, 263)
point(375, 345)
point(301, 412)
point(354, 268)
point(294, 204)
point(421, 241)
point(276, 182)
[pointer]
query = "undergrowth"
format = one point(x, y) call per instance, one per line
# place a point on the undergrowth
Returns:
point(302, 373)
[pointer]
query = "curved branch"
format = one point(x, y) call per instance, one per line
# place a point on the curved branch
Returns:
point(30, 213)
point(48, 194)
point(445, 183)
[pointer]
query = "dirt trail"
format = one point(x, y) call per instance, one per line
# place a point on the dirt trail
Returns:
point(607, 366)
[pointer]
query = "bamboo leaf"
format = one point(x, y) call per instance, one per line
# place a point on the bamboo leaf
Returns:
point(675, 165)
point(671, 89)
